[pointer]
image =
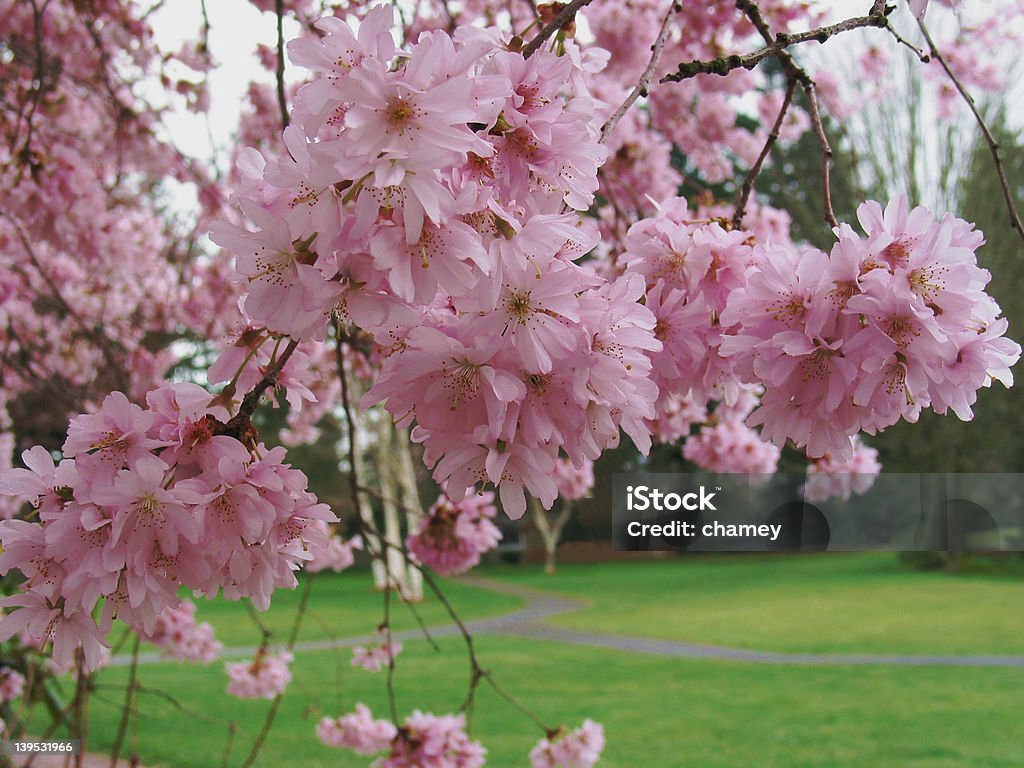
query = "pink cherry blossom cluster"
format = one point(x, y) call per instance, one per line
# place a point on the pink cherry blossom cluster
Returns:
point(357, 731)
point(12, 683)
point(423, 741)
point(690, 267)
point(439, 741)
point(855, 340)
point(337, 555)
point(454, 534)
point(828, 479)
point(375, 657)
point(423, 200)
point(574, 482)
point(580, 748)
point(731, 446)
point(178, 635)
point(265, 677)
point(144, 501)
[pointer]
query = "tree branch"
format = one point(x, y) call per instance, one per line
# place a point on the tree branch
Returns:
point(561, 18)
point(990, 140)
point(723, 65)
point(640, 89)
point(748, 183)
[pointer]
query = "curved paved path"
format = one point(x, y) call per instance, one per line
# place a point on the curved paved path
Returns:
point(530, 622)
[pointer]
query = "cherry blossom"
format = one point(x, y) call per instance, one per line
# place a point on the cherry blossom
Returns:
point(265, 677)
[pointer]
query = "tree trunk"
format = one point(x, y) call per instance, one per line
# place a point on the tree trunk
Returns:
point(395, 561)
point(413, 508)
point(372, 544)
point(550, 530)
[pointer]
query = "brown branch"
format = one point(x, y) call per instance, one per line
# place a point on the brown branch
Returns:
point(826, 152)
point(129, 692)
point(561, 19)
point(723, 65)
point(990, 140)
point(640, 89)
point(748, 183)
point(282, 100)
point(240, 423)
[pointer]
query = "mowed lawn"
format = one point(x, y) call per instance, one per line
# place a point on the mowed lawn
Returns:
point(658, 713)
point(828, 603)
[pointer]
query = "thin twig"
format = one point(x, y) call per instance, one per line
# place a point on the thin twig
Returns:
point(562, 18)
point(640, 89)
point(826, 152)
point(990, 140)
point(129, 692)
point(282, 100)
point(748, 183)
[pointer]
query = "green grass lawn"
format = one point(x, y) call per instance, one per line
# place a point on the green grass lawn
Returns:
point(658, 713)
point(830, 603)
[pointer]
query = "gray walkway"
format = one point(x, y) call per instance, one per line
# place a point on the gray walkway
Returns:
point(530, 622)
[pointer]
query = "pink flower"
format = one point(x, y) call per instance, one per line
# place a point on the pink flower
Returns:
point(180, 637)
point(378, 656)
point(265, 677)
point(580, 748)
point(828, 479)
point(574, 482)
point(357, 731)
point(117, 435)
point(12, 683)
point(454, 534)
point(436, 741)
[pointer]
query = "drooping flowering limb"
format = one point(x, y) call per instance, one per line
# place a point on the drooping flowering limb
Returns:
point(990, 140)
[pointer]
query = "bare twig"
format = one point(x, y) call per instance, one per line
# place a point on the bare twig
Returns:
point(282, 100)
point(826, 152)
point(129, 693)
point(561, 18)
point(640, 89)
point(748, 183)
point(990, 140)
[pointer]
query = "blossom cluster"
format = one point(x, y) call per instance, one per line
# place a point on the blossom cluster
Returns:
point(580, 748)
point(337, 555)
point(431, 198)
point(265, 677)
point(453, 535)
point(842, 343)
point(357, 731)
point(828, 478)
point(574, 482)
point(882, 327)
point(422, 740)
point(375, 657)
point(178, 635)
point(144, 501)
point(12, 683)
